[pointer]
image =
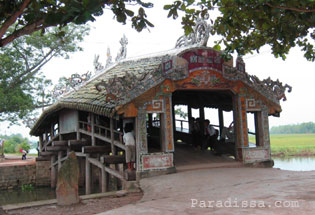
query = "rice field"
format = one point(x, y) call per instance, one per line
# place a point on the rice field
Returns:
point(292, 144)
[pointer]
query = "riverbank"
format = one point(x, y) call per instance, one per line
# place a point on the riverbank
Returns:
point(86, 206)
point(283, 145)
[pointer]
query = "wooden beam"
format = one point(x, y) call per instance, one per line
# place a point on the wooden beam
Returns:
point(92, 129)
point(96, 149)
point(60, 143)
point(87, 175)
point(221, 120)
point(80, 154)
point(114, 159)
point(78, 127)
point(56, 163)
point(189, 118)
point(53, 172)
point(79, 143)
point(41, 142)
point(112, 136)
point(56, 148)
point(107, 169)
point(115, 173)
point(44, 153)
point(42, 158)
point(104, 179)
point(52, 131)
point(105, 139)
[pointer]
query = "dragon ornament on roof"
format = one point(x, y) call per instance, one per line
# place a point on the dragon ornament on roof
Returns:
point(199, 36)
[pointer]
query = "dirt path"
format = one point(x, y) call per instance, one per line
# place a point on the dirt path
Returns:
point(15, 160)
point(226, 191)
point(86, 207)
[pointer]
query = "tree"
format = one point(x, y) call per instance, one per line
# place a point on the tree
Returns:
point(28, 16)
point(14, 143)
point(22, 85)
point(247, 25)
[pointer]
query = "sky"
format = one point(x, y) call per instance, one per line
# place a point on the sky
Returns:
point(106, 33)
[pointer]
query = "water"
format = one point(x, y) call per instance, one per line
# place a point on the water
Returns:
point(18, 196)
point(36, 194)
point(295, 163)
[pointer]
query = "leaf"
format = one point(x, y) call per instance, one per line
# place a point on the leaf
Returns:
point(217, 47)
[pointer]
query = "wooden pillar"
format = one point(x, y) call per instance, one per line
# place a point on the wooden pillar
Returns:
point(46, 138)
point(87, 175)
point(53, 172)
point(92, 129)
point(51, 130)
point(202, 118)
point(259, 129)
point(174, 120)
point(150, 120)
point(112, 136)
point(59, 159)
point(40, 143)
point(202, 112)
point(189, 118)
point(104, 178)
point(221, 120)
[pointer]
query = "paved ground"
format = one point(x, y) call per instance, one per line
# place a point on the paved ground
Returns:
point(15, 160)
point(226, 191)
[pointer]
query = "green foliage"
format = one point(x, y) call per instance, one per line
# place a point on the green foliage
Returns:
point(38, 15)
point(181, 113)
point(27, 187)
point(303, 128)
point(23, 87)
point(247, 25)
point(14, 143)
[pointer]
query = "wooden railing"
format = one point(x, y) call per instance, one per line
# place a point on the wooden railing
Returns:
point(102, 133)
point(181, 128)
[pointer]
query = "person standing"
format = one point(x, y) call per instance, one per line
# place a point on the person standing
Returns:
point(130, 144)
point(1, 148)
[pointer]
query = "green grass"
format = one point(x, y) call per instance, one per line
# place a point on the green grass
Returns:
point(292, 144)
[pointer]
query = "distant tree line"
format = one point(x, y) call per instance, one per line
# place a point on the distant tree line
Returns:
point(13, 143)
point(303, 128)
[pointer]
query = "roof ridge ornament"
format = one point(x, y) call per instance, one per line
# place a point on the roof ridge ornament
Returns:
point(109, 58)
point(123, 49)
point(199, 36)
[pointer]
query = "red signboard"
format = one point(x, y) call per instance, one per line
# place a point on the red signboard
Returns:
point(157, 161)
point(201, 58)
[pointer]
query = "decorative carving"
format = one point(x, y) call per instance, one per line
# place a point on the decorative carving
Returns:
point(273, 90)
point(70, 83)
point(77, 79)
point(97, 65)
point(205, 79)
point(123, 49)
point(240, 64)
point(199, 36)
point(250, 103)
point(157, 104)
point(109, 58)
point(277, 88)
point(118, 87)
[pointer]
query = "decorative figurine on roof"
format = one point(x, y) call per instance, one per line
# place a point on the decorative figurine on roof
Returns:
point(67, 84)
point(123, 49)
point(98, 67)
point(109, 58)
point(240, 64)
point(199, 36)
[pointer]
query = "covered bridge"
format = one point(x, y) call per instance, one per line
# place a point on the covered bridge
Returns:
point(90, 119)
